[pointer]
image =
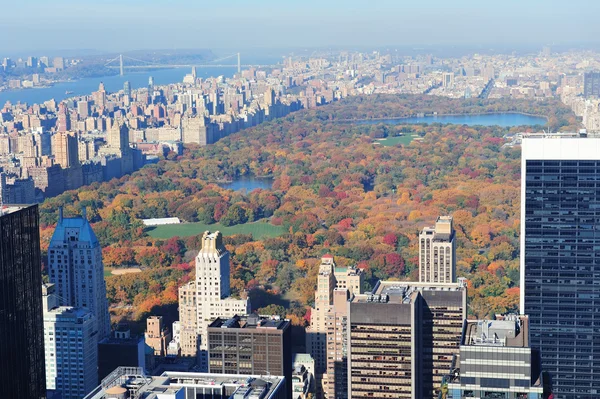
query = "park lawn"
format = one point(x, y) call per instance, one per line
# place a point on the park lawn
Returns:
point(391, 141)
point(107, 272)
point(258, 230)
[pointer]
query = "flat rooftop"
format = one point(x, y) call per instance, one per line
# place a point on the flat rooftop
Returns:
point(404, 292)
point(511, 331)
point(250, 322)
point(143, 386)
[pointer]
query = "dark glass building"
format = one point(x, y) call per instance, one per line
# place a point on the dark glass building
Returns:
point(251, 345)
point(591, 84)
point(22, 370)
point(560, 259)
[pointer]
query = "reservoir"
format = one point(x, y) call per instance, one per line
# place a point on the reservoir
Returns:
point(500, 119)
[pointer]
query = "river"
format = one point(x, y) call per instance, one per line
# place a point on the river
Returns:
point(499, 119)
point(112, 83)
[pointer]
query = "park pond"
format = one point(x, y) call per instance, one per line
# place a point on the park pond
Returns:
point(501, 119)
point(248, 184)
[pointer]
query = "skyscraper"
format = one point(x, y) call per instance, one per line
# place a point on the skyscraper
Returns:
point(75, 267)
point(402, 338)
point(21, 324)
point(206, 298)
point(63, 123)
point(560, 259)
point(65, 149)
point(251, 345)
point(343, 282)
point(496, 361)
point(71, 347)
point(437, 252)
point(591, 84)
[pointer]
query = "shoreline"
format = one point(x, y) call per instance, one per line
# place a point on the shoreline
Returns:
point(436, 115)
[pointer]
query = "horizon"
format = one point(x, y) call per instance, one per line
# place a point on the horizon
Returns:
point(111, 26)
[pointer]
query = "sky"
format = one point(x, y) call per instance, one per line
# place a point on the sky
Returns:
point(120, 25)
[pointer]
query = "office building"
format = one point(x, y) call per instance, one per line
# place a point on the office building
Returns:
point(71, 348)
point(402, 338)
point(591, 84)
point(496, 361)
point(330, 278)
point(447, 79)
point(121, 349)
point(335, 378)
point(208, 297)
point(133, 383)
point(157, 335)
point(560, 248)
point(21, 322)
point(437, 252)
point(75, 267)
point(251, 345)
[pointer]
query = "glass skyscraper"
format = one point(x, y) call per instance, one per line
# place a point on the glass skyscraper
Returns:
point(21, 327)
point(560, 259)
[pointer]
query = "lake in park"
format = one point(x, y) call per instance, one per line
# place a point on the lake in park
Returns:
point(249, 184)
point(501, 119)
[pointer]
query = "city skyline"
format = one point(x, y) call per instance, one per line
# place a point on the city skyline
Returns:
point(306, 24)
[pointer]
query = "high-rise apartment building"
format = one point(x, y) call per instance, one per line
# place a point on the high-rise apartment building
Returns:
point(251, 345)
point(329, 279)
point(71, 347)
point(21, 323)
point(591, 84)
point(157, 336)
point(335, 378)
point(63, 123)
point(496, 361)
point(402, 338)
point(206, 298)
point(65, 149)
point(560, 259)
point(75, 267)
point(437, 252)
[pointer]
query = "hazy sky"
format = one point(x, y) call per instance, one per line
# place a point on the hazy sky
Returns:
point(114, 25)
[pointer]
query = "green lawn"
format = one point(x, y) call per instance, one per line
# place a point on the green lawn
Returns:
point(107, 272)
point(390, 141)
point(257, 229)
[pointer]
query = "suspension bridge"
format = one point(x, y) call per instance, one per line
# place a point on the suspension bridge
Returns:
point(141, 64)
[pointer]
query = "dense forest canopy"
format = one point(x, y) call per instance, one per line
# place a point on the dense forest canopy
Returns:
point(336, 190)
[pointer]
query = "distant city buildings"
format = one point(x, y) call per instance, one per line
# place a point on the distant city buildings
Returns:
point(437, 252)
point(591, 84)
point(21, 317)
point(496, 361)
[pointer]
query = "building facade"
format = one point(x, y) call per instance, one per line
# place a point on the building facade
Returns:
point(560, 259)
point(75, 267)
point(206, 298)
point(591, 84)
point(157, 335)
point(437, 252)
point(121, 349)
point(21, 315)
point(402, 338)
point(323, 318)
point(71, 347)
point(251, 345)
point(496, 361)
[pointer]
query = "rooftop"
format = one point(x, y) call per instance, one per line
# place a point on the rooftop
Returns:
point(170, 383)
point(251, 321)
point(403, 291)
point(86, 233)
point(509, 331)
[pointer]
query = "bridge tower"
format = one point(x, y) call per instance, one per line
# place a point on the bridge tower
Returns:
point(239, 63)
point(121, 69)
